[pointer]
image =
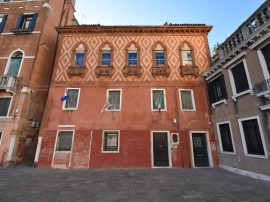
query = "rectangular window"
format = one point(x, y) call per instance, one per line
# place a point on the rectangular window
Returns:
point(106, 58)
point(186, 57)
point(4, 106)
point(240, 78)
point(110, 141)
point(14, 65)
point(1, 134)
point(114, 97)
point(217, 89)
point(79, 59)
point(225, 137)
point(64, 141)
point(158, 100)
point(132, 58)
point(71, 103)
point(252, 136)
point(27, 21)
point(187, 100)
point(159, 58)
point(3, 19)
point(266, 54)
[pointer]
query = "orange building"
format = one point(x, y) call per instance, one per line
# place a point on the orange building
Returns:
point(128, 96)
point(28, 41)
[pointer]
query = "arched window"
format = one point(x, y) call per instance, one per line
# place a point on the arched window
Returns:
point(187, 58)
point(106, 55)
point(15, 63)
point(160, 63)
point(79, 59)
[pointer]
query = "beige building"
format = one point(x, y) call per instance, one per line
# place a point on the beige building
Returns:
point(239, 91)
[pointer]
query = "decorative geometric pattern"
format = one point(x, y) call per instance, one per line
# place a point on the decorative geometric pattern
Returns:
point(119, 43)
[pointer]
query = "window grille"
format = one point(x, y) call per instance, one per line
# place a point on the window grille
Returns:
point(64, 141)
point(110, 141)
point(72, 101)
point(114, 99)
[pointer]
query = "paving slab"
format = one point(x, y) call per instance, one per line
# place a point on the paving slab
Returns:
point(24, 183)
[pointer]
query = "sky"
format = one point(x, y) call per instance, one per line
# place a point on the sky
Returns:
point(224, 15)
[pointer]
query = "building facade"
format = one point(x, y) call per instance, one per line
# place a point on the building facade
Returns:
point(128, 96)
point(28, 40)
point(239, 86)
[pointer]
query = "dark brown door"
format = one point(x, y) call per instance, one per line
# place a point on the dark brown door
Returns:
point(160, 147)
point(200, 150)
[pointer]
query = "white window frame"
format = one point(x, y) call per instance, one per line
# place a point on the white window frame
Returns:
point(220, 140)
point(77, 105)
point(8, 107)
point(263, 63)
point(73, 134)
point(192, 98)
point(120, 104)
point(244, 139)
point(165, 103)
point(118, 141)
point(9, 60)
point(233, 86)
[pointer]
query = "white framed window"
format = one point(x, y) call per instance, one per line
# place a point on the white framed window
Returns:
point(240, 80)
point(5, 105)
point(27, 21)
point(72, 99)
point(158, 100)
point(187, 102)
point(14, 63)
point(64, 141)
point(175, 138)
point(114, 96)
point(110, 141)
point(225, 137)
point(252, 137)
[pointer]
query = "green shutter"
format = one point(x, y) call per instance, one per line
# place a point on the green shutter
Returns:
point(3, 23)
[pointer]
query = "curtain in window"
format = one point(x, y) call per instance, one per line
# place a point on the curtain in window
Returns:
point(226, 138)
point(4, 106)
point(253, 137)
point(159, 58)
point(240, 78)
point(110, 142)
point(158, 99)
point(186, 100)
point(64, 141)
point(14, 66)
point(72, 100)
point(114, 99)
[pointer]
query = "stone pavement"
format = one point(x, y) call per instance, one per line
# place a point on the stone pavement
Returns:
point(209, 184)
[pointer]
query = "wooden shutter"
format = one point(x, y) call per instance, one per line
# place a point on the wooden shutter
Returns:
point(33, 22)
point(19, 22)
point(3, 23)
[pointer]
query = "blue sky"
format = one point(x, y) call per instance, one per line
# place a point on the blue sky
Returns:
point(225, 15)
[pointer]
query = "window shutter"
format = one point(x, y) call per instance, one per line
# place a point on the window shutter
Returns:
point(3, 23)
point(223, 87)
point(210, 93)
point(19, 23)
point(33, 22)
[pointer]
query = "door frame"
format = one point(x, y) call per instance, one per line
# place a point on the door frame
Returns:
point(210, 159)
point(152, 148)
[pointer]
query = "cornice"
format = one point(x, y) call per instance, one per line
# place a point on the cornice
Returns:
point(99, 29)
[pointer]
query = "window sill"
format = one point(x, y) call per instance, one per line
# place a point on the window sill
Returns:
point(265, 107)
point(108, 152)
point(230, 153)
point(257, 156)
point(249, 91)
point(189, 70)
point(132, 70)
point(224, 101)
point(161, 70)
point(70, 109)
point(104, 71)
point(156, 110)
point(188, 110)
point(62, 151)
point(76, 70)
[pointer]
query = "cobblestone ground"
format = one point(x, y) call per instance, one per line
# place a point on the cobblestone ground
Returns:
point(32, 184)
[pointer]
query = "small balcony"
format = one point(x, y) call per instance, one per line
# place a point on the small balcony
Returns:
point(76, 70)
point(8, 83)
point(161, 71)
point(262, 88)
point(132, 70)
point(104, 71)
